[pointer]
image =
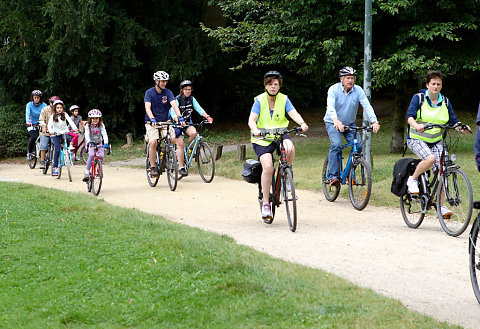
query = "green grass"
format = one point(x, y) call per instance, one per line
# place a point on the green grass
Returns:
point(72, 261)
point(311, 154)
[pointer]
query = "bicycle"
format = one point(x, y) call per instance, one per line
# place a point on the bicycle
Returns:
point(166, 158)
point(283, 186)
point(357, 174)
point(48, 156)
point(94, 183)
point(32, 157)
point(450, 180)
point(65, 159)
point(199, 150)
point(474, 253)
point(81, 148)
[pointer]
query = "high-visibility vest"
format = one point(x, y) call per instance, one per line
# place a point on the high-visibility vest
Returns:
point(267, 121)
point(427, 114)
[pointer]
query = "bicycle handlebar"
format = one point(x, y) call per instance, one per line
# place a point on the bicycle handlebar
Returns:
point(279, 132)
point(367, 128)
point(447, 126)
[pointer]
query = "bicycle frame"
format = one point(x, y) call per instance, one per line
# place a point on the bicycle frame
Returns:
point(353, 153)
point(193, 146)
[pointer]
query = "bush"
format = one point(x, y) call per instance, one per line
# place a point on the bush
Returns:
point(13, 134)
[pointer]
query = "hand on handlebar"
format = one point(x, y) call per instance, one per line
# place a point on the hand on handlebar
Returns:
point(209, 119)
point(375, 127)
point(304, 127)
point(419, 127)
point(338, 125)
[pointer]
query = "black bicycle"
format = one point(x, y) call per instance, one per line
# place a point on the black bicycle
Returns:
point(449, 185)
point(474, 254)
point(32, 157)
point(48, 156)
point(166, 157)
point(283, 186)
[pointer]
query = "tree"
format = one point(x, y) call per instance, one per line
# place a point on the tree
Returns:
point(312, 37)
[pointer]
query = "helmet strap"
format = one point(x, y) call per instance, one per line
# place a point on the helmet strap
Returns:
point(271, 95)
point(157, 83)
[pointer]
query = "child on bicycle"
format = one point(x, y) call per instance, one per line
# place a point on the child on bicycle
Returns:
point(269, 112)
point(428, 106)
point(57, 126)
point(95, 132)
point(77, 119)
point(186, 103)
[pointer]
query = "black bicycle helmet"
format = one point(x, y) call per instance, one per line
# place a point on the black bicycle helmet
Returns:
point(185, 83)
point(275, 74)
point(347, 70)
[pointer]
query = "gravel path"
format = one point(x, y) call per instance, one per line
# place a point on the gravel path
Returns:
point(425, 269)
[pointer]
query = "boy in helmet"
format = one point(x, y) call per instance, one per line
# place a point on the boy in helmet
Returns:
point(158, 101)
point(187, 103)
point(268, 112)
point(342, 107)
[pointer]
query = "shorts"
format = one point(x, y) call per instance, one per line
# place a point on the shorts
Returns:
point(152, 132)
point(423, 150)
point(179, 132)
point(44, 141)
point(260, 149)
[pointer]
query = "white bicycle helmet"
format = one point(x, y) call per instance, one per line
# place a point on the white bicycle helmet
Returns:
point(58, 101)
point(347, 70)
point(94, 113)
point(161, 75)
point(73, 108)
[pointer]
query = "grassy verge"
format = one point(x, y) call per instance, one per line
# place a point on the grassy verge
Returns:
point(71, 260)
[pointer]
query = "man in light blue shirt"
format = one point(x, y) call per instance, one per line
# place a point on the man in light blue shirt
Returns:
point(342, 107)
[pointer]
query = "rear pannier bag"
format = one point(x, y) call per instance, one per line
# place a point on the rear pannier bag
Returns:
point(252, 171)
point(401, 170)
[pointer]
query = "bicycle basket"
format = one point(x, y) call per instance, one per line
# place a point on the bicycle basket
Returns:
point(252, 171)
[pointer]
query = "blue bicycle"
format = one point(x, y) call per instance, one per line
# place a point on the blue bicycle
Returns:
point(65, 158)
point(201, 152)
point(357, 174)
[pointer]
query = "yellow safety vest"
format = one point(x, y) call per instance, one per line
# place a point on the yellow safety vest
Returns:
point(428, 114)
point(267, 121)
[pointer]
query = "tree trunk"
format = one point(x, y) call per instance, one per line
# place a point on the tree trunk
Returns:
point(399, 120)
point(212, 15)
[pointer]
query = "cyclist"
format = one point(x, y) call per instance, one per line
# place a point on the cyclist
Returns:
point(32, 113)
point(77, 119)
point(428, 106)
point(342, 107)
point(95, 132)
point(477, 139)
point(187, 103)
point(268, 112)
point(158, 101)
point(57, 125)
point(47, 111)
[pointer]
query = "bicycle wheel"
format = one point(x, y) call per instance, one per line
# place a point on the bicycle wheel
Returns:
point(48, 157)
point(84, 153)
point(205, 162)
point(68, 164)
point(474, 258)
point(90, 183)
point(330, 192)
point(289, 197)
point(457, 189)
point(32, 157)
point(360, 183)
point(152, 181)
point(171, 167)
point(411, 208)
point(97, 177)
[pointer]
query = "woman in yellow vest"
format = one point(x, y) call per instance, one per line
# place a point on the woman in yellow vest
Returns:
point(428, 106)
point(268, 112)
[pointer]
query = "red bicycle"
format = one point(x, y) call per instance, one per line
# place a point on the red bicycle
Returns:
point(94, 183)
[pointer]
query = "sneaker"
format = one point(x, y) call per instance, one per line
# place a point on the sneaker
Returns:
point(266, 210)
point(86, 178)
point(153, 172)
point(77, 158)
point(42, 164)
point(71, 148)
point(412, 185)
point(183, 171)
point(446, 213)
point(55, 172)
point(29, 156)
point(334, 181)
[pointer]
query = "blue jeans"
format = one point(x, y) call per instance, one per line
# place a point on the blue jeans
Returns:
point(57, 140)
point(336, 148)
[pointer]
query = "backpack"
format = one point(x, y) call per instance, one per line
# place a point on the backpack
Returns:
point(252, 171)
point(401, 170)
